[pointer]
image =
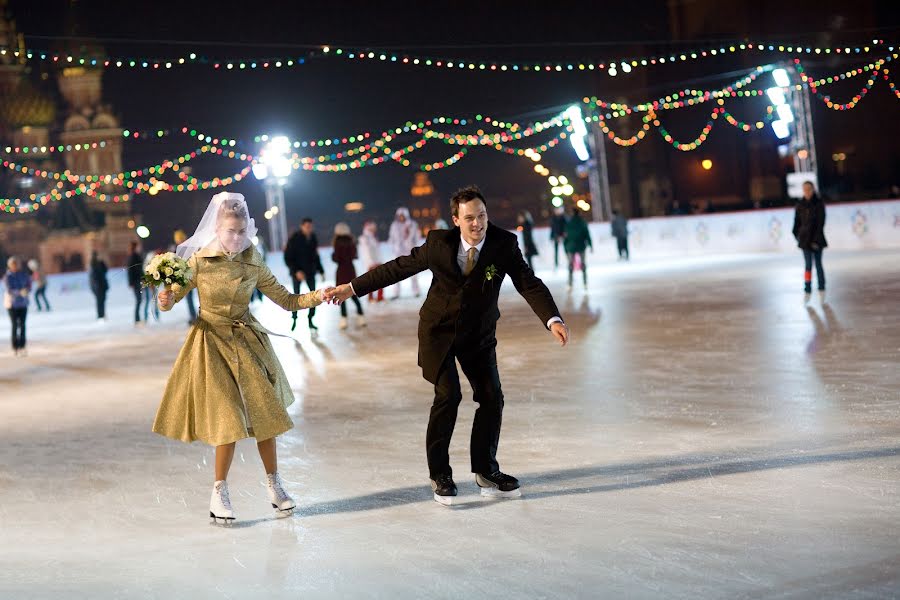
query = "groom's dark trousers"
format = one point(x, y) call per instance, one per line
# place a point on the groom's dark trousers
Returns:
point(458, 321)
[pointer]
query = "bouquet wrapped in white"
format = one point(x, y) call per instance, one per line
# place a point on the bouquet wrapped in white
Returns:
point(168, 270)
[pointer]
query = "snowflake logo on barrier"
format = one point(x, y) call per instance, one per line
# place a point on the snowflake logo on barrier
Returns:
point(702, 233)
point(775, 229)
point(860, 223)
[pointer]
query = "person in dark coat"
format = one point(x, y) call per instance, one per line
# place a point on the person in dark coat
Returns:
point(809, 231)
point(344, 254)
point(619, 228)
point(135, 271)
point(557, 232)
point(458, 322)
point(301, 255)
point(578, 240)
point(99, 284)
point(16, 287)
point(526, 226)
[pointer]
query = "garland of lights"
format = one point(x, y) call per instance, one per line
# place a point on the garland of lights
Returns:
point(122, 177)
point(674, 100)
point(611, 66)
point(88, 184)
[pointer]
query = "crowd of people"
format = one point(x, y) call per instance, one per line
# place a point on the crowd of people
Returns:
point(23, 282)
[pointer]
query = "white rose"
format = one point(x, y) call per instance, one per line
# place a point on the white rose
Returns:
point(156, 275)
point(169, 270)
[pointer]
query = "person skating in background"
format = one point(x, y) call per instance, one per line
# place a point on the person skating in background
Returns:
point(39, 283)
point(135, 270)
point(403, 237)
point(557, 232)
point(149, 293)
point(99, 284)
point(577, 241)
point(344, 254)
point(301, 255)
point(619, 228)
point(809, 231)
point(526, 226)
point(369, 249)
point(16, 286)
point(178, 237)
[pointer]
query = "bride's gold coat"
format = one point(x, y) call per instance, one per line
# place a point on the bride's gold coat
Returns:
point(227, 383)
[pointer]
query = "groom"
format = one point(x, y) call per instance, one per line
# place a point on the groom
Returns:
point(458, 322)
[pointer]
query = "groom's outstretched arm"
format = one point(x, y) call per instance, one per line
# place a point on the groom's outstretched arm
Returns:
point(392, 272)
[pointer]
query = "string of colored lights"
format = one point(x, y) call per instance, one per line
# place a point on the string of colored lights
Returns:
point(814, 88)
point(610, 66)
point(121, 177)
point(674, 100)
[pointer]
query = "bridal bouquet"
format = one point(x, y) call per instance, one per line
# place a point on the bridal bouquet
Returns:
point(168, 270)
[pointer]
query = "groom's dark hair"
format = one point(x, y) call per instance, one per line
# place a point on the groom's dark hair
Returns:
point(464, 195)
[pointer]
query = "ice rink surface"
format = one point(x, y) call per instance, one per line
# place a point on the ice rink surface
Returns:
point(705, 435)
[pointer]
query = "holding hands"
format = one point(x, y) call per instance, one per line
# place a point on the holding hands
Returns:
point(337, 295)
point(322, 294)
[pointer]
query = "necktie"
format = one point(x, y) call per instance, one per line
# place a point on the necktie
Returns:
point(470, 261)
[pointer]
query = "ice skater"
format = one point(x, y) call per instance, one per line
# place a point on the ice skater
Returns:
point(344, 254)
point(458, 322)
point(809, 231)
point(301, 255)
point(403, 237)
point(370, 254)
point(99, 284)
point(39, 281)
point(577, 241)
point(134, 268)
point(619, 230)
point(526, 226)
point(16, 286)
point(227, 383)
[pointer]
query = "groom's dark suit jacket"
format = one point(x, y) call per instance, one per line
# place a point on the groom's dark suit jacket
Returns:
point(461, 312)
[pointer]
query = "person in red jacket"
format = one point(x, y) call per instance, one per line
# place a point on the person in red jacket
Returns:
point(344, 254)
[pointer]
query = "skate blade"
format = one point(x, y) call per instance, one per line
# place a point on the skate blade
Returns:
point(282, 513)
point(214, 520)
point(445, 500)
point(489, 492)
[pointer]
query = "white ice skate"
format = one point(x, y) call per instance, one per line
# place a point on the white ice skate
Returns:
point(282, 503)
point(360, 321)
point(220, 505)
point(342, 324)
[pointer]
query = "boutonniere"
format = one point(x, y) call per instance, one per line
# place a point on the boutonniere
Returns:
point(489, 273)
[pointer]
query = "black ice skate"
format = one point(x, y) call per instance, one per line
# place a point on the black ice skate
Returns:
point(444, 490)
point(498, 485)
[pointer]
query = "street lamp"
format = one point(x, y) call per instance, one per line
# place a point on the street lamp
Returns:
point(794, 121)
point(273, 167)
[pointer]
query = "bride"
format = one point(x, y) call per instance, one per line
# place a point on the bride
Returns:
point(227, 383)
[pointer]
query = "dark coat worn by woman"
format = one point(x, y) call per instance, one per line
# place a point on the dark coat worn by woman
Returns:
point(809, 224)
point(344, 255)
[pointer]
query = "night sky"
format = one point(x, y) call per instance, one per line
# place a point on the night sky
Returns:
point(338, 97)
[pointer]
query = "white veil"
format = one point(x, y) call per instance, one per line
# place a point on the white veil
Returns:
point(221, 204)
